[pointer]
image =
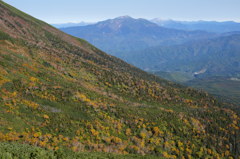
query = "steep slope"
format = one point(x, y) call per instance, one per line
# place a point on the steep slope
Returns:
point(59, 92)
point(121, 34)
point(210, 26)
point(216, 57)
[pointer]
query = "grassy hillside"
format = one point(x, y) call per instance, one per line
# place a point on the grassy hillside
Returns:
point(60, 93)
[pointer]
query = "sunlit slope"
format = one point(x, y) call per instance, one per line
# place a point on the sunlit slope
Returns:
point(59, 92)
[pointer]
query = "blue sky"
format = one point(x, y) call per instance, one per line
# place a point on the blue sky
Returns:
point(62, 11)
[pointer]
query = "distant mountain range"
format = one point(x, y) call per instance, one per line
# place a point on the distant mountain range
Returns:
point(124, 34)
point(210, 26)
point(65, 25)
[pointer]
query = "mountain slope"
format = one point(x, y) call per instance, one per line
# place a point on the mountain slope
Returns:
point(59, 92)
point(210, 26)
point(121, 34)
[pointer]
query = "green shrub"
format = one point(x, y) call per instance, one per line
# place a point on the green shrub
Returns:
point(4, 36)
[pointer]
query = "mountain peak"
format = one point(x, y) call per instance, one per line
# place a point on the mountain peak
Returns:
point(118, 23)
point(123, 22)
point(124, 17)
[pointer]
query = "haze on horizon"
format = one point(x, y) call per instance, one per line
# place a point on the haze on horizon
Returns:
point(61, 11)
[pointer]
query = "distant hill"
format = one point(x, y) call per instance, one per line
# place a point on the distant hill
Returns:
point(122, 34)
point(210, 26)
point(220, 56)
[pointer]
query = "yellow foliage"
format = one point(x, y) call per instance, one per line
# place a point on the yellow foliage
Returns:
point(48, 136)
point(134, 147)
point(166, 155)
point(128, 132)
point(3, 80)
point(143, 135)
point(94, 132)
point(180, 144)
point(81, 97)
point(30, 104)
point(65, 139)
point(45, 116)
point(42, 143)
point(142, 143)
point(227, 146)
point(45, 95)
point(156, 131)
point(189, 157)
point(34, 79)
point(107, 140)
point(117, 140)
point(14, 93)
point(189, 151)
point(227, 153)
point(155, 141)
point(209, 151)
point(119, 126)
point(37, 134)
point(74, 148)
